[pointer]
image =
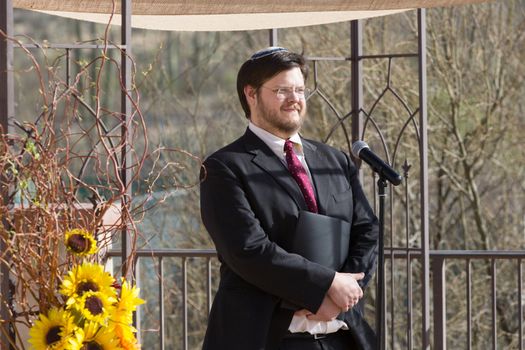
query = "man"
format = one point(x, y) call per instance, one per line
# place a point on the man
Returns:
point(251, 195)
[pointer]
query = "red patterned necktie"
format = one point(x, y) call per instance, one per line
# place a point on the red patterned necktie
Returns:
point(301, 177)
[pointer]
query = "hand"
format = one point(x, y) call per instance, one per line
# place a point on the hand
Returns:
point(327, 311)
point(345, 292)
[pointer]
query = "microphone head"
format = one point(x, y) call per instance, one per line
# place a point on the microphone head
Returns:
point(357, 147)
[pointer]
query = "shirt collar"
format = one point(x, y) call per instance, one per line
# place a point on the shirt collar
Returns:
point(276, 143)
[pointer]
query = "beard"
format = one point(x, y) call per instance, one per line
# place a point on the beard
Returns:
point(278, 120)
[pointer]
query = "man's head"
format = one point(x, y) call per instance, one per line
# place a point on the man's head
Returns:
point(271, 89)
point(262, 66)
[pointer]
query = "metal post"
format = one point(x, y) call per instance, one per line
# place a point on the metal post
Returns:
point(494, 294)
point(356, 46)
point(7, 105)
point(380, 292)
point(6, 65)
point(7, 110)
point(127, 264)
point(273, 36)
point(469, 304)
point(423, 153)
point(185, 303)
point(440, 303)
point(68, 66)
point(520, 302)
point(161, 304)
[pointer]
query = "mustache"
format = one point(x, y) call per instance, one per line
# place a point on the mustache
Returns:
point(295, 106)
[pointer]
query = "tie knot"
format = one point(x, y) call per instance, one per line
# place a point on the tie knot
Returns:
point(288, 146)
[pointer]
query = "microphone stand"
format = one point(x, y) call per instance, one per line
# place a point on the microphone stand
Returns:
point(380, 291)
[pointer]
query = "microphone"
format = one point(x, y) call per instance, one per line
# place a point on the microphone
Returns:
point(361, 150)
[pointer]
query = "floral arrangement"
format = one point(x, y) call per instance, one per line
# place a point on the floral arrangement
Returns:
point(65, 170)
point(63, 175)
point(97, 313)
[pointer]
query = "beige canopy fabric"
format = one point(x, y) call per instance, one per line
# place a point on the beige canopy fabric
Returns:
point(215, 7)
point(228, 22)
point(225, 15)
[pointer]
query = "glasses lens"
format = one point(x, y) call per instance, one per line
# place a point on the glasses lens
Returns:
point(307, 92)
point(301, 92)
point(287, 92)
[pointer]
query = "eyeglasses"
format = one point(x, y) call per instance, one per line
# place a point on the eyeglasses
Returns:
point(286, 92)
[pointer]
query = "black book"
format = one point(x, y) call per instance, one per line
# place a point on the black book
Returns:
point(321, 239)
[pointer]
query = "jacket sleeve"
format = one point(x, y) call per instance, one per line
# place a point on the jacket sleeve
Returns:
point(244, 247)
point(362, 256)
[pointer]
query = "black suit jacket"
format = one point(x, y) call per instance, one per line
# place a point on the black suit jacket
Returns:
point(249, 203)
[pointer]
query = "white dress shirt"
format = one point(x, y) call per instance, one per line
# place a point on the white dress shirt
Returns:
point(276, 144)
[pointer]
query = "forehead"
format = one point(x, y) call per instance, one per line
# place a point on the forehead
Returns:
point(290, 77)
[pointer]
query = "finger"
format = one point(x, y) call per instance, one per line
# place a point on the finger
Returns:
point(358, 276)
point(312, 317)
point(302, 312)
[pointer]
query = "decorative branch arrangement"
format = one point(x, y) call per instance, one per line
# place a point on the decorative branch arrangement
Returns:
point(67, 181)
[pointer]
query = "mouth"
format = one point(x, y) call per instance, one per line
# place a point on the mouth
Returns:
point(291, 109)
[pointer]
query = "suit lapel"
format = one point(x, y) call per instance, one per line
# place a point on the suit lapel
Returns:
point(274, 167)
point(318, 166)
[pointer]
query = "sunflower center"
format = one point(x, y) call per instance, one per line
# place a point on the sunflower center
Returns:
point(92, 346)
point(94, 305)
point(79, 243)
point(87, 286)
point(53, 335)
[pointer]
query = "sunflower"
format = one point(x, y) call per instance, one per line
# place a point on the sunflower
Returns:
point(126, 336)
point(122, 316)
point(81, 242)
point(127, 303)
point(52, 331)
point(94, 337)
point(87, 278)
point(94, 306)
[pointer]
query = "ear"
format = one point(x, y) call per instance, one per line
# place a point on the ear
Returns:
point(250, 92)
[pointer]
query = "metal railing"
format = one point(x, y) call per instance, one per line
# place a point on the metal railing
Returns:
point(439, 262)
point(159, 256)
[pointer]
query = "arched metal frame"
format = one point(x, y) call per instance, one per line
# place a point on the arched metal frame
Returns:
point(360, 118)
point(358, 115)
